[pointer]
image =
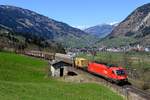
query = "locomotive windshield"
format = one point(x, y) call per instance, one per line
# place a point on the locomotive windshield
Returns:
point(112, 65)
point(120, 72)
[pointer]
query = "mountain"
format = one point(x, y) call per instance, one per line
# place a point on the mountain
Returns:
point(135, 29)
point(28, 23)
point(100, 30)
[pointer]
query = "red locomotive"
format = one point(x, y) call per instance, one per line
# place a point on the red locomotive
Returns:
point(110, 72)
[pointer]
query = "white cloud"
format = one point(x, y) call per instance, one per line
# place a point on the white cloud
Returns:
point(82, 27)
point(112, 23)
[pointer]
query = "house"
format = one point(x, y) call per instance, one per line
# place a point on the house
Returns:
point(58, 68)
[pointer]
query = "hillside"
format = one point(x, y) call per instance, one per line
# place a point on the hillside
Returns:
point(25, 78)
point(135, 29)
point(100, 30)
point(10, 41)
point(26, 23)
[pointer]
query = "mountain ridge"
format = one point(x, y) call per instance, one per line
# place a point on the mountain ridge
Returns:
point(133, 30)
point(26, 22)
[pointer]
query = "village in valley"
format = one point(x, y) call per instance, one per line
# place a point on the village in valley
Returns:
point(137, 48)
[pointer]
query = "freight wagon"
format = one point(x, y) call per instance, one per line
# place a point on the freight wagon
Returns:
point(63, 57)
point(81, 62)
point(39, 54)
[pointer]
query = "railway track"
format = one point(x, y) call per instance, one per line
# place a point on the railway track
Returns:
point(137, 91)
point(128, 91)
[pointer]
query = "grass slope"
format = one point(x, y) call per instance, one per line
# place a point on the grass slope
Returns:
point(24, 78)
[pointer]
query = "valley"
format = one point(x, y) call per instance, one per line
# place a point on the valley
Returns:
point(28, 37)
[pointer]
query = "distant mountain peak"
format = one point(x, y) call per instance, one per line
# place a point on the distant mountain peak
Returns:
point(100, 30)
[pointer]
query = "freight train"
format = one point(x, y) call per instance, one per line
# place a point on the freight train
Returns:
point(110, 72)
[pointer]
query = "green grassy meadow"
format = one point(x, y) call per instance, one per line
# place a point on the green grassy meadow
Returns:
point(25, 78)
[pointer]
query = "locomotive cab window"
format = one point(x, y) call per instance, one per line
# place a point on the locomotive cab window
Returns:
point(120, 72)
point(113, 72)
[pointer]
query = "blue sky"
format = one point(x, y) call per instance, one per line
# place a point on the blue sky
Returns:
point(80, 13)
